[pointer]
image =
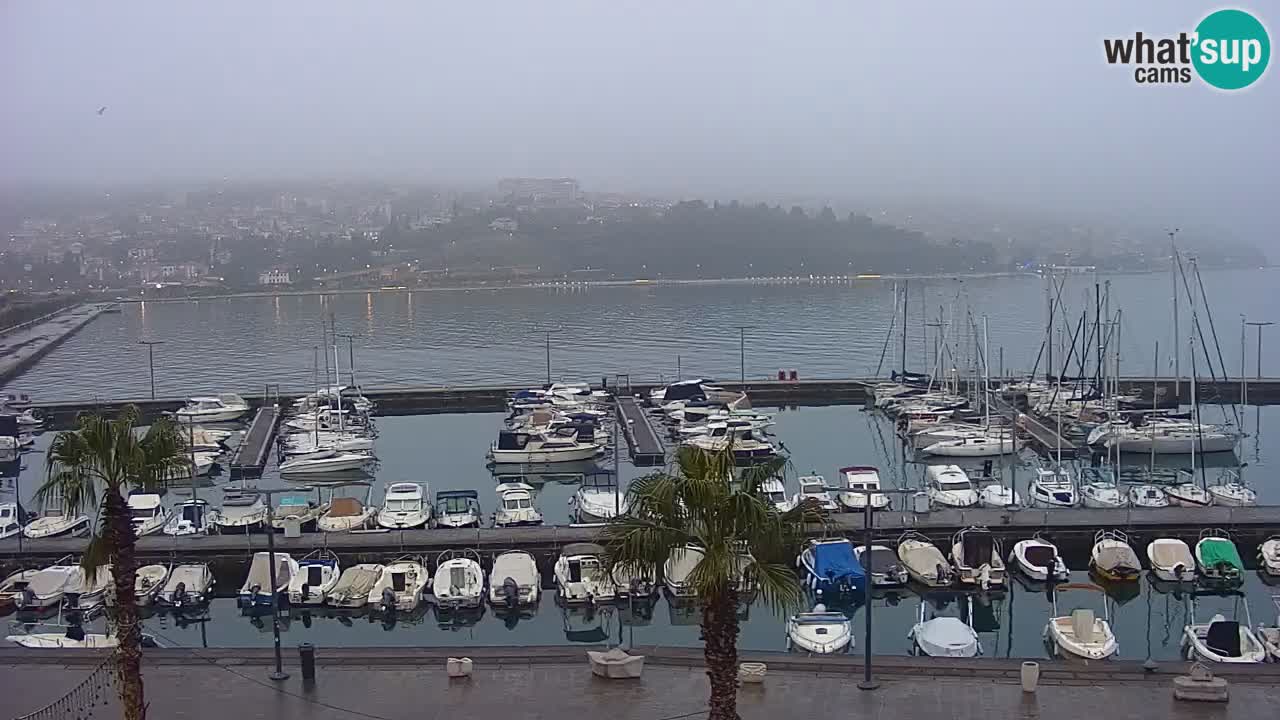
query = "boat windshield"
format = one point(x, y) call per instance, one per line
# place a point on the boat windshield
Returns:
point(776, 496)
point(407, 505)
point(954, 484)
point(455, 505)
point(144, 513)
point(516, 503)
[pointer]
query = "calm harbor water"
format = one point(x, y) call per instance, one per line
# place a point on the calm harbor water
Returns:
point(447, 451)
point(833, 329)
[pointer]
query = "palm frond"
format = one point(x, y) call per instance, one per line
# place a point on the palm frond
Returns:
point(97, 554)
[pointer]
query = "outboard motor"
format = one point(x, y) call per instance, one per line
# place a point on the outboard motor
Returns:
point(388, 602)
point(26, 598)
point(306, 592)
point(1178, 570)
point(511, 591)
point(180, 595)
point(75, 632)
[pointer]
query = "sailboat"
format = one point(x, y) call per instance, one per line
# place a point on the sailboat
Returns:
point(1098, 489)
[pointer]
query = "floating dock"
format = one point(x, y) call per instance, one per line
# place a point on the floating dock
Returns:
point(251, 455)
point(1046, 439)
point(642, 440)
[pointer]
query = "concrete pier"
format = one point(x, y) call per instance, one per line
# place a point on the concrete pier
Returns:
point(21, 347)
point(642, 440)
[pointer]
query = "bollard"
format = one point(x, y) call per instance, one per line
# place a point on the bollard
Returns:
point(307, 654)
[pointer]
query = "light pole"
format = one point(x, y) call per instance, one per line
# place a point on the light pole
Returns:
point(547, 333)
point(742, 355)
point(151, 364)
point(1258, 325)
point(278, 674)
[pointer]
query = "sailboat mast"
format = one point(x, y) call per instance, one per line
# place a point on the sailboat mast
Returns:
point(1173, 276)
point(905, 285)
point(986, 379)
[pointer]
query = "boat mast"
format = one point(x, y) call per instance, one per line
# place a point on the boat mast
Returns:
point(986, 381)
point(1173, 275)
point(905, 284)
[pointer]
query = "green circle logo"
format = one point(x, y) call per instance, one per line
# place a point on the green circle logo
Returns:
point(1231, 49)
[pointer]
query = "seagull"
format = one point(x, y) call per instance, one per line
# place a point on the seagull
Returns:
point(102, 109)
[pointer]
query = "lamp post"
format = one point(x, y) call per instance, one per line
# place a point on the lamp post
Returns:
point(742, 355)
point(278, 674)
point(151, 365)
point(547, 333)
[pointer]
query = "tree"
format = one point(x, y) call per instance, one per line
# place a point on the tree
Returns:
point(747, 545)
point(110, 457)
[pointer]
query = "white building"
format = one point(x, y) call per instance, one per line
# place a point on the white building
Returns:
point(504, 224)
point(275, 277)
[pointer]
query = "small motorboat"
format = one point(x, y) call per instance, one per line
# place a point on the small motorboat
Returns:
point(829, 568)
point(997, 496)
point(87, 591)
point(45, 587)
point(1148, 496)
point(353, 587)
point(883, 565)
point(187, 586)
point(678, 568)
point(1189, 493)
point(925, 563)
point(581, 577)
point(635, 583)
point(1171, 560)
point(514, 581)
point(775, 493)
point(347, 513)
point(1099, 490)
point(1113, 558)
point(975, 554)
point(862, 478)
point(1232, 492)
point(1217, 560)
point(257, 590)
point(147, 513)
point(74, 638)
point(949, 486)
point(12, 517)
point(1269, 556)
point(212, 408)
point(535, 448)
point(819, 631)
point(1222, 641)
point(944, 636)
point(148, 583)
point(325, 461)
point(1081, 634)
point(457, 509)
point(1053, 488)
point(459, 580)
point(297, 507)
point(813, 490)
point(318, 573)
point(1039, 560)
point(192, 517)
point(598, 499)
point(1270, 636)
point(401, 586)
point(515, 506)
point(56, 519)
point(242, 510)
point(403, 506)
point(13, 586)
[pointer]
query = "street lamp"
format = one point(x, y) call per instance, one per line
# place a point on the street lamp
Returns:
point(278, 674)
point(151, 364)
point(547, 333)
point(742, 355)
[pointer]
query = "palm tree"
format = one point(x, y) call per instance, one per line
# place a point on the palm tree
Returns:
point(747, 545)
point(95, 467)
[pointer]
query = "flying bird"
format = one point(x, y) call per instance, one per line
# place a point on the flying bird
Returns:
point(102, 109)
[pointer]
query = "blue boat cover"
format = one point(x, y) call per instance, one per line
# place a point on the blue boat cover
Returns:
point(836, 561)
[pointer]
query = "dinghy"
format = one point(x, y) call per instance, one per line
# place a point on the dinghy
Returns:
point(256, 590)
point(1222, 641)
point(1269, 556)
point(346, 514)
point(401, 585)
point(925, 563)
point(318, 573)
point(944, 636)
point(1148, 496)
point(514, 581)
point(819, 632)
point(883, 565)
point(1113, 558)
point(187, 586)
point(635, 583)
point(353, 587)
point(1039, 560)
point(73, 638)
point(459, 580)
point(1217, 560)
point(55, 520)
point(1081, 634)
point(830, 568)
point(975, 553)
point(581, 577)
point(1171, 560)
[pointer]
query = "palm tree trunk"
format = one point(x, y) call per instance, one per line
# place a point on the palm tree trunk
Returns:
point(720, 650)
point(120, 543)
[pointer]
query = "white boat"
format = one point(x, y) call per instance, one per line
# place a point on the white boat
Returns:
point(537, 448)
point(1188, 494)
point(317, 574)
point(459, 580)
point(1039, 560)
point(1081, 634)
point(1053, 488)
point(997, 496)
point(56, 519)
point(748, 446)
point(148, 582)
point(348, 513)
point(73, 638)
point(256, 590)
point(985, 445)
point(310, 443)
point(1270, 636)
point(11, 517)
point(203, 464)
point(581, 577)
point(325, 461)
point(213, 408)
point(598, 499)
point(192, 517)
point(1222, 641)
point(775, 493)
point(675, 572)
point(1218, 561)
point(944, 636)
point(242, 510)
point(1099, 490)
point(205, 440)
point(949, 486)
point(819, 632)
point(187, 586)
point(1113, 558)
point(46, 587)
point(515, 506)
point(403, 507)
point(147, 513)
point(1174, 439)
point(1269, 556)
point(514, 581)
point(635, 582)
point(83, 592)
point(975, 554)
point(297, 507)
point(353, 587)
point(882, 565)
point(1148, 496)
point(1171, 560)
point(457, 509)
point(401, 585)
point(813, 490)
point(14, 585)
point(861, 477)
point(1232, 492)
point(925, 563)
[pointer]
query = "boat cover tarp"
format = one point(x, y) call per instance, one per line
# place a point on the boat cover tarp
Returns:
point(881, 559)
point(977, 548)
point(1214, 551)
point(346, 507)
point(1168, 555)
point(1041, 556)
point(836, 561)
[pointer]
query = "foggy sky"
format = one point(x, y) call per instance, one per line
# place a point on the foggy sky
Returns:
point(1008, 102)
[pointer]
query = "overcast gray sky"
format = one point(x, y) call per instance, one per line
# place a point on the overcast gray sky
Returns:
point(1009, 101)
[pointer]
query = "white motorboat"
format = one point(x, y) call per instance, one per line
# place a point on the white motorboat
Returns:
point(203, 463)
point(975, 554)
point(353, 587)
point(598, 499)
point(1052, 488)
point(866, 478)
point(925, 563)
point(56, 519)
point(538, 448)
point(1039, 560)
point(459, 580)
point(348, 513)
point(819, 632)
point(1217, 559)
point(147, 513)
point(1099, 490)
point(401, 586)
point(1113, 558)
point(1222, 641)
point(14, 585)
point(675, 572)
point(317, 575)
point(73, 638)
point(257, 590)
point(581, 577)
point(748, 446)
point(1148, 496)
point(1232, 492)
point(881, 563)
point(213, 408)
point(325, 461)
point(45, 588)
point(515, 506)
point(311, 443)
point(457, 509)
point(1269, 556)
point(944, 636)
point(1171, 560)
point(325, 420)
point(205, 440)
point(813, 490)
point(403, 506)
point(297, 507)
point(1081, 634)
point(830, 567)
point(1188, 494)
point(1270, 636)
point(11, 519)
point(83, 592)
point(635, 582)
point(933, 431)
point(187, 586)
point(998, 496)
point(192, 517)
point(242, 510)
point(949, 486)
point(514, 581)
point(775, 493)
point(148, 582)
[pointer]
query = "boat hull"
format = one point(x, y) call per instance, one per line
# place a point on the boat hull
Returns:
point(542, 456)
